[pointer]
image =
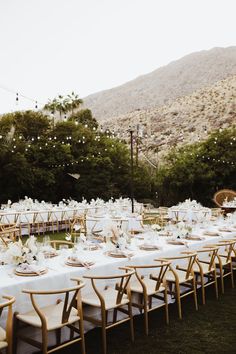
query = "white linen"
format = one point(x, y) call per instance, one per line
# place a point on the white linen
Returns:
point(59, 275)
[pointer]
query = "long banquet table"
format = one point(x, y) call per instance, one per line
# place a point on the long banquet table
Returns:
point(59, 275)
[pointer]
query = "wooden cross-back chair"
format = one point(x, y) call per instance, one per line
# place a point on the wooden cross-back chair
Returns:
point(149, 286)
point(181, 275)
point(56, 243)
point(64, 313)
point(6, 335)
point(148, 218)
point(233, 253)
point(205, 268)
point(9, 233)
point(110, 298)
point(216, 212)
point(78, 226)
point(163, 216)
point(223, 261)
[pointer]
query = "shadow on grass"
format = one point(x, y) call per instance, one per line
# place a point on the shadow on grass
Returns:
point(211, 329)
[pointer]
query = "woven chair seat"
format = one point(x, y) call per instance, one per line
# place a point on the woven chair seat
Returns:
point(181, 276)
point(150, 284)
point(53, 315)
point(109, 295)
point(3, 343)
point(2, 334)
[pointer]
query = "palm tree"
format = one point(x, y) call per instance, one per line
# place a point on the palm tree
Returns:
point(73, 102)
point(64, 105)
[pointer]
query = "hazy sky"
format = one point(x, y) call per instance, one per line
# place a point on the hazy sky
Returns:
point(50, 47)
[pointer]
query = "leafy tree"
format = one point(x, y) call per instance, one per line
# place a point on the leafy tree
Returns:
point(30, 124)
point(85, 117)
point(64, 104)
point(198, 170)
point(6, 122)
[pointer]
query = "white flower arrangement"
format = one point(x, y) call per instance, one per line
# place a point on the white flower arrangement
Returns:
point(19, 253)
point(156, 227)
point(183, 229)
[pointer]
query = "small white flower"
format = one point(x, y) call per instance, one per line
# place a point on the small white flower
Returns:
point(156, 227)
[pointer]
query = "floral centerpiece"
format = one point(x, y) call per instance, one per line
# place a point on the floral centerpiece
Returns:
point(156, 227)
point(183, 229)
point(28, 253)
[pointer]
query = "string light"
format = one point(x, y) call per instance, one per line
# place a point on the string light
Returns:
point(18, 94)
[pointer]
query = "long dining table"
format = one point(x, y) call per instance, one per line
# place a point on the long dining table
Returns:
point(59, 274)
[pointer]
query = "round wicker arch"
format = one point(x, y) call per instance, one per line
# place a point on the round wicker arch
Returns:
point(222, 195)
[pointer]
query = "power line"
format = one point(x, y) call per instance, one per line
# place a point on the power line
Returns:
point(17, 94)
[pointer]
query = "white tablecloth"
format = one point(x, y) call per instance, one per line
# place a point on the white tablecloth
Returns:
point(59, 275)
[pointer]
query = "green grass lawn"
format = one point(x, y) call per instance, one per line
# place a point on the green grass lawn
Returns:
point(211, 329)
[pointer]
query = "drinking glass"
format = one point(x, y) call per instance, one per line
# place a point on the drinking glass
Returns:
point(46, 240)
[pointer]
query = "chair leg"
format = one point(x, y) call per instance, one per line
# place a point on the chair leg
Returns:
point(44, 341)
point(232, 274)
point(195, 294)
point(216, 285)
point(115, 315)
point(104, 338)
point(58, 336)
point(177, 296)
point(81, 329)
point(203, 289)
point(166, 306)
point(131, 321)
point(14, 334)
point(221, 279)
point(150, 302)
point(145, 307)
point(141, 302)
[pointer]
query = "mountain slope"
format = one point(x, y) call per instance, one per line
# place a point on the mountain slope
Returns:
point(177, 79)
point(185, 120)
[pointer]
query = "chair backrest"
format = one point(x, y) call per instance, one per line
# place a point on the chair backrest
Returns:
point(209, 254)
point(8, 233)
point(8, 304)
point(56, 243)
point(188, 257)
point(229, 248)
point(162, 268)
point(227, 245)
point(122, 286)
point(71, 296)
point(222, 195)
point(216, 212)
point(78, 220)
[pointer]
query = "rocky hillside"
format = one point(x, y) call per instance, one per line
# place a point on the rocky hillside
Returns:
point(184, 120)
point(162, 86)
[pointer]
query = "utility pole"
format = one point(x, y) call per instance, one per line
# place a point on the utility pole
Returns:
point(132, 169)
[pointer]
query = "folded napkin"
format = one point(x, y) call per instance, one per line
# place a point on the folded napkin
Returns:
point(165, 233)
point(176, 242)
point(119, 254)
point(74, 260)
point(194, 237)
point(211, 233)
point(148, 247)
point(29, 268)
